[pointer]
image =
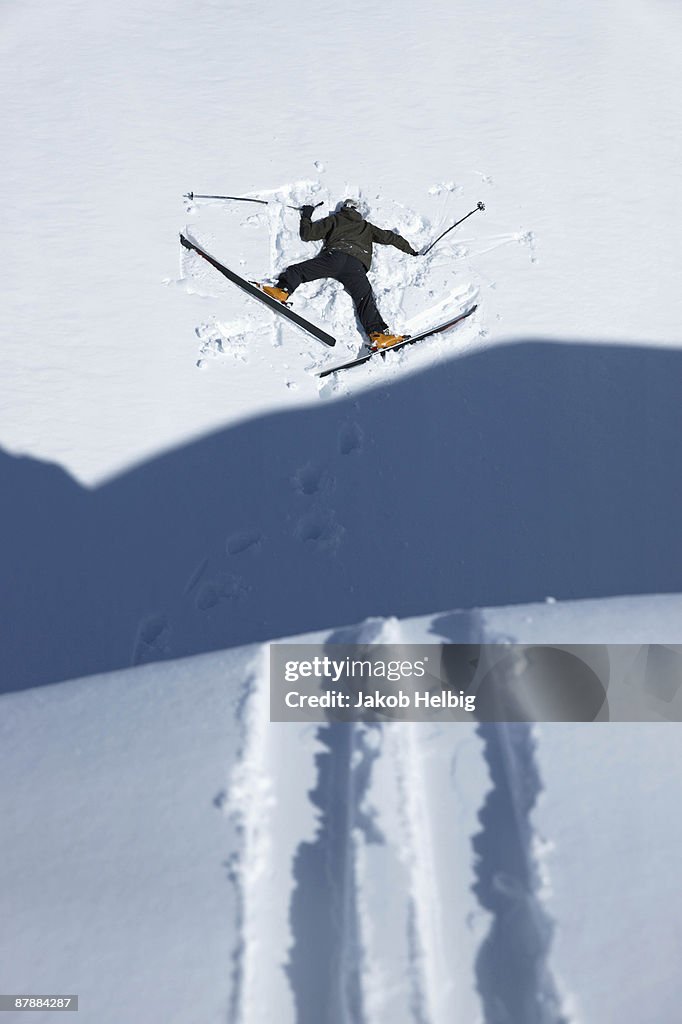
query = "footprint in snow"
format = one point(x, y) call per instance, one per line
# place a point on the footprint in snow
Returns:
point(196, 576)
point(320, 529)
point(223, 587)
point(242, 541)
point(311, 479)
point(350, 438)
point(153, 640)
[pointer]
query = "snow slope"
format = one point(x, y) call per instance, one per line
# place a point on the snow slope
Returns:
point(175, 480)
point(170, 855)
point(173, 462)
point(617, 930)
point(165, 852)
point(564, 121)
point(470, 482)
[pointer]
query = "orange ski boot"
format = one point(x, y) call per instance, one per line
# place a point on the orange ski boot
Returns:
point(382, 339)
point(274, 292)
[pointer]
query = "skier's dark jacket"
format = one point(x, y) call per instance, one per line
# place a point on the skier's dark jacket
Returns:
point(347, 231)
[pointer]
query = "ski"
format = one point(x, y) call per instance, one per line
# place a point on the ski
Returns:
point(367, 354)
point(256, 293)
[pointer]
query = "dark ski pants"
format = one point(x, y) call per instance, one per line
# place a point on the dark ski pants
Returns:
point(349, 272)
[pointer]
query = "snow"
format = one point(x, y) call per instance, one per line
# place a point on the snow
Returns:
point(610, 800)
point(562, 121)
point(154, 844)
point(155, 421)
point(114, 883)
point(172, 855)
point(179, 488)
point(466, 483)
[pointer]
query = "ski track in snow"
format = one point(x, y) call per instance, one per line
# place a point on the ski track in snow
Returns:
point(327, 965)
point(515, 980)
point(266, 799)
point(350, 919)
point(249, 803)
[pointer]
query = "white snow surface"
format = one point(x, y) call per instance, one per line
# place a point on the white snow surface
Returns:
point(163, 842)
point(563, 120)
point(176, 481)
point(609, 818)
point(181, 481)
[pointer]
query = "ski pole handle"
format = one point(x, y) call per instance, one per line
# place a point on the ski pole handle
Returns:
point(479, 206)
point(299, 208)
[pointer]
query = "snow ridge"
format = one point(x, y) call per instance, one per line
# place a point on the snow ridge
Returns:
point(369, 936)
point(249, 804)
point(327, 962)
point(514, 979)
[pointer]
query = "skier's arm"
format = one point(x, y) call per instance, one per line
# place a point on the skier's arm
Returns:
point(314, 231)
point(392, 238)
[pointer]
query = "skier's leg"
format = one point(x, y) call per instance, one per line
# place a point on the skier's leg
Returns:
point(324, 265)
point(354, 279)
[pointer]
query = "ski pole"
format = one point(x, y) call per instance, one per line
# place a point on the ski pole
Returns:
point(240, 199)
point(479, 206)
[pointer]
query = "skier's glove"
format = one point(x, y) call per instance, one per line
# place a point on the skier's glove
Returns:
point(307, 211)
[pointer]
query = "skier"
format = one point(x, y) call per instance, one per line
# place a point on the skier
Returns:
point(346, 257)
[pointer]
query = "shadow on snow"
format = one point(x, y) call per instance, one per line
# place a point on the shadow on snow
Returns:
point(529, 469)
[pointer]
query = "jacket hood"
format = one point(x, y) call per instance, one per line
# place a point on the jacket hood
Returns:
point(350, 214)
